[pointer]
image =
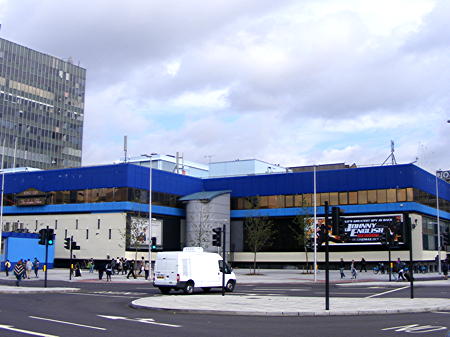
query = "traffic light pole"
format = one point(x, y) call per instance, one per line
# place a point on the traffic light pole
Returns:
point(70, 258)
point(46, 258)
point(327, 261)
point(224, 260)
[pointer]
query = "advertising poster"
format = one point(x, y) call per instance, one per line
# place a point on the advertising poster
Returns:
point(138, 236)
point(364, 230)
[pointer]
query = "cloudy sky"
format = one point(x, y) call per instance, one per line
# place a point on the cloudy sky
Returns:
point(289, 82)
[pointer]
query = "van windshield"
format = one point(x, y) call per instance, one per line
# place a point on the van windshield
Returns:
point(227, 267)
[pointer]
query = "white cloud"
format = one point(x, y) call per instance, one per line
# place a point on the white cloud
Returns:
point(290, 82)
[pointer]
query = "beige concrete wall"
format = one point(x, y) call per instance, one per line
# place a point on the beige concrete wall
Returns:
point(97, 245)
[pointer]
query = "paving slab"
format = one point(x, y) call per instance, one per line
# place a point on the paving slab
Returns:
point(287, 306)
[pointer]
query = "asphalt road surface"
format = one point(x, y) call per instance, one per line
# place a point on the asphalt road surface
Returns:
point(102, 310)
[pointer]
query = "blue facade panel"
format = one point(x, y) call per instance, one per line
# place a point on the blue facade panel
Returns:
point(348, 209)
point(23, 246)
point(121, 175)
point(369, 178)
point(100, 207)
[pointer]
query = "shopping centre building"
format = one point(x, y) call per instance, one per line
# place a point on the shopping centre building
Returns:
point(103, 207)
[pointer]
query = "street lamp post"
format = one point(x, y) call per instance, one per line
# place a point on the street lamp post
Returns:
point(150, 156)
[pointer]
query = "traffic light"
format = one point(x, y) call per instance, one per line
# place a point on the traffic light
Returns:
point(67, 243)
point(74, 246)
point(42, 236)
point(50, 236)
point(153, 243)
point(217, 237)
point(335, 219)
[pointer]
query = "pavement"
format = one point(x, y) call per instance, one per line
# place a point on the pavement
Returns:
point(239, 304)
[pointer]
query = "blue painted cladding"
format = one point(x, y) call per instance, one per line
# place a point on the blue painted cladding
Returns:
point(100, 207)
point(28, 248)
point(348, 209)
point(381, 177)
point(121, 175)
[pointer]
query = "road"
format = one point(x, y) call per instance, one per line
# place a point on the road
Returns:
point(102, 309)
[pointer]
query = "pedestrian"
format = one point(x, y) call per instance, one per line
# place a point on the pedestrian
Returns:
point(7, 267)
point(36, 267)
point(363, 265)
point(131, 272)
point(400, 270)
point(125, 266)
point(113, 265)
point(91, 266)
point(77, 270)
point(353, 269)
point(101, 269)
point(445, 268)
point(147, 269)
point(140, 266)
point(29, 268)
point(119, 266)
point(19, 272)
point(341, 268)
point(109, 271)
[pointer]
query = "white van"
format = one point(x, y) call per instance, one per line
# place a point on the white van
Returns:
point(191, 268)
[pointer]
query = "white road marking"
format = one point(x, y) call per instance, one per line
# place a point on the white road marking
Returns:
point(441, 312)
point(69, 323)
point(141, 320)
point(86, 294)
point(416, 328)
point(27, 332)
point(387, 292)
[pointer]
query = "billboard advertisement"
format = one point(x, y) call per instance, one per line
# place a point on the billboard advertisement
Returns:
point(365, 230)
point(137, 232)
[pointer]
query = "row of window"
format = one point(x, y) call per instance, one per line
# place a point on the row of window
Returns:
point(363, 197)
point(100, 195)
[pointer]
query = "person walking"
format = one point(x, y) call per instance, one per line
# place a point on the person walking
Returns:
point(91, 266)
point(112, 265)
point(362, 265)
point(36, 267)
point(101, 269)
point(29, 268)
point(19, 272)
point(353, 269)
point(131, 272)
point(109, 272)
point(341, 268)
point(7, 267)
point(146, 269)
point(444, 267)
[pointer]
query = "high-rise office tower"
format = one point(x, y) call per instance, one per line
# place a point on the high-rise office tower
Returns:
point(41, 108)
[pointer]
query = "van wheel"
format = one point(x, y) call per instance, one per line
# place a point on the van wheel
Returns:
point(206, 289)
point(189, 288)
point(230, 286)
point(164, 290)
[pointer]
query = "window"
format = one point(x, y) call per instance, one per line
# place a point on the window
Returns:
point(352, 198)
point(36, 226)
point(56, 224)
point(343, 198)
point(76, 224)
point(334, 198)
point(65, 233)
point(391, 195)
point(401, 194)
point(289, 201)
point(362, 197)
point(372, 196)
point(98, 223)
point(381, 196)
point(110, 234)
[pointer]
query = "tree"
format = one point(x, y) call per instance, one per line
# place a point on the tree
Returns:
point(200, 233)
point(259, 234)
point(302, 228)
point(136, 233)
